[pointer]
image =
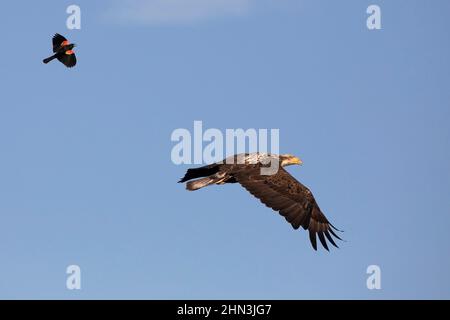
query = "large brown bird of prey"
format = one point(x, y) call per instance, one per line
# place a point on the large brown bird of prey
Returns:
point(279, 191)
point(63, 51)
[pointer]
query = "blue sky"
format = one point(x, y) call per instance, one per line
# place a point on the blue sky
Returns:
point(86, 176)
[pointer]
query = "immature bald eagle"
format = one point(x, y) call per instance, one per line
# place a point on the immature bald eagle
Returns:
point(279, 190)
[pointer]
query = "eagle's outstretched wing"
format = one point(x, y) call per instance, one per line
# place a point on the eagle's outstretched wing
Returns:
point(283, 193)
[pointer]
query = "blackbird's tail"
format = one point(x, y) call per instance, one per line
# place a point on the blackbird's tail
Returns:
point(47, 60)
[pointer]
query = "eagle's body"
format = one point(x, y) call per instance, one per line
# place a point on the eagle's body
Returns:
point(62, 51)
point(279, 191)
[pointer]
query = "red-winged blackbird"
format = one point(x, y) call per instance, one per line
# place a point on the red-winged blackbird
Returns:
point(63, 51)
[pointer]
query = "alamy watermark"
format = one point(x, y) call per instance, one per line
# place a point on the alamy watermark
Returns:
point(373, 22)
point(199, 146)
point(374, 279)
point(74, 19)
point(73, 281)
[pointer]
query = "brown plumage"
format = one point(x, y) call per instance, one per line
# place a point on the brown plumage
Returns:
point(279, 191)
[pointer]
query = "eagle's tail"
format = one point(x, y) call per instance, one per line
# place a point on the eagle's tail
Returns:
point(200, 183)
point(218, 178)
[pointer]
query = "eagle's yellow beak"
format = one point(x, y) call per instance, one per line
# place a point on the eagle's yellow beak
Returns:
point(288, 160)
point(297, 161)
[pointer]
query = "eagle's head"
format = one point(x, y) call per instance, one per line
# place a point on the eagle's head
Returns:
point(289, 159)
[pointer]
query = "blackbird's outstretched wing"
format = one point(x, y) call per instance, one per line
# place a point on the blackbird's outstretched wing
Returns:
point(283, 193)
point(68, 58)
point(58, 41)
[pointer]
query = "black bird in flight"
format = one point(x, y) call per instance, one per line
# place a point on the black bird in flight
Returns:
point(62, 49)
point(279, 191)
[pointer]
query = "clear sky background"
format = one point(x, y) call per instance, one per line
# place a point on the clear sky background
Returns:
point(86, 176)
